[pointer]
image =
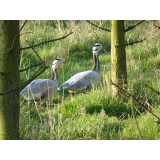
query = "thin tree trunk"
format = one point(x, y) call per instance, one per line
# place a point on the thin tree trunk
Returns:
point(9, 78)
point(118, 56)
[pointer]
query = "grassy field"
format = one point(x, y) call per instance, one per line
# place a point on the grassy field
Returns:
point(94, 115)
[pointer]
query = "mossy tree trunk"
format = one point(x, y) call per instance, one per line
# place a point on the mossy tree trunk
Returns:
point(9, 78)
point(118, 56)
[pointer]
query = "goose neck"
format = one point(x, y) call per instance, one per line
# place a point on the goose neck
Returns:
point(96, 62)
point(54, 74)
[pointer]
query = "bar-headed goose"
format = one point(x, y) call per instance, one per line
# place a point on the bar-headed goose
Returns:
point(82, 82)
point(43, 88)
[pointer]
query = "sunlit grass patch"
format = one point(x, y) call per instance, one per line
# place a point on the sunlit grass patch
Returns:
point(94, 115)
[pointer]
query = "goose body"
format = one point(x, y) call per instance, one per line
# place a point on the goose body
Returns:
point(40, 89)
point(84, 81)
point(43, 88)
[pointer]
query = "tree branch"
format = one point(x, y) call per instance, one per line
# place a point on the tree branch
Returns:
point(22, 70)
point(44, 62)
point(23, 25)
point(39, 71)
point(25, 83)
point(18, 34)
point(133, 26)
point(143, 105)
point(157, 26)
point(152, 89)
point(131, 43)
point(98, 26)
point(34, 51)
point(46, 42)
point(134, 116)
point(25, 33)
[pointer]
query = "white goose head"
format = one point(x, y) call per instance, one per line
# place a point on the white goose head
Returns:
point(96, 48)
point(57, 62)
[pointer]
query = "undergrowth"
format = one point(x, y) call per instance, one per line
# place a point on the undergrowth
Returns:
point(94, 115)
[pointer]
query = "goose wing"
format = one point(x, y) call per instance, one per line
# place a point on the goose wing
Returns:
point(40, 88)
point(81, 80)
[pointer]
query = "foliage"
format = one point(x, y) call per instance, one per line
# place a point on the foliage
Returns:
point(93, 115)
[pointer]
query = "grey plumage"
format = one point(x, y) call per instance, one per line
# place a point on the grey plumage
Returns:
point(40, 89)
point(43, 88)
point(84, 81)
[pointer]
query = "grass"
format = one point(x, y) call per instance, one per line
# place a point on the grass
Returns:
point(94, 115)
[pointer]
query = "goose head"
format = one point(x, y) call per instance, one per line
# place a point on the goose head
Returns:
point(96, 48)
point(57, 62)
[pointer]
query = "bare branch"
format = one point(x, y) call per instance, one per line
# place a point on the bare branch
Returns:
point(134, 116)
point(18, 34)
point(133, 26)
point(135, 99)
point(46, 42)
point(34, 51)
point(25, 83)
point(157, 26)
point(39, 71)
point(25, 33)
point(139, 41)
point(23, 26)
point(158, 122)
point(98, 26)
point(152, 89)
point(21, 70)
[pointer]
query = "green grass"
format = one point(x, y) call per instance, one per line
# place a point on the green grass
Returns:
point(94, 115)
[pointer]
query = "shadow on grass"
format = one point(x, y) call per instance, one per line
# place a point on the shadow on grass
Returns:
point(113, 108)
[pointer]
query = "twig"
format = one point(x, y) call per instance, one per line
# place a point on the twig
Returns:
point(34, 51)
point(152, 89)
point(158, 122)
point(134, 116)
point(23, 25)
point(25, 83)
point(97, 36)
point(131, 43)
point(17, 34)
point(133, 26)
point(98, 26)
point(156, 26)
point(135, 99)
point(46, 42)
point(25, 33)
point(40, 71)
point(21, 70)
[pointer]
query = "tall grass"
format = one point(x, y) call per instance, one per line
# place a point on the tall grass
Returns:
point(94, 115)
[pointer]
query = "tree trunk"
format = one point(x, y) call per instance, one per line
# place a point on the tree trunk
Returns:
point(9, 78)
point(118, 56)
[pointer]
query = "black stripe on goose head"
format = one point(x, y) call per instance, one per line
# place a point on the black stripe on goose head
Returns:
point(58, 59)
point(97, 47)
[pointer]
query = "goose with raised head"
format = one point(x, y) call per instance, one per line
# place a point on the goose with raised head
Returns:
point(83, 81)
point(43, 88)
